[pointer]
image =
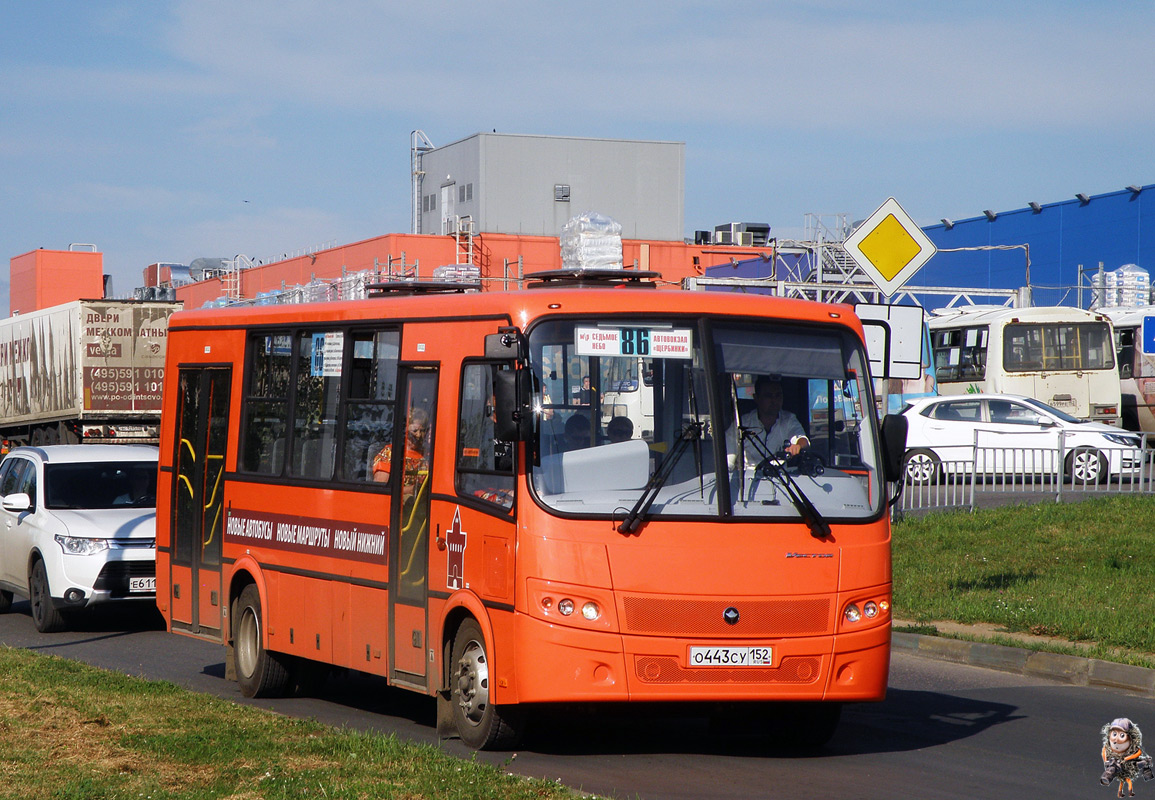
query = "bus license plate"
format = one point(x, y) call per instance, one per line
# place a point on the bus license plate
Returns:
point(731, 656)
point(142, 584)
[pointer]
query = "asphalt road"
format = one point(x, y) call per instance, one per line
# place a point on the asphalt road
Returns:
point(944, 731)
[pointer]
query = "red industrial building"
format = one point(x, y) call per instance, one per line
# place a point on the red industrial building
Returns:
point(501, 259)
point(45, 278)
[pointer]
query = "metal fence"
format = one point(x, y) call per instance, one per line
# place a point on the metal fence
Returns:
point(988, 474)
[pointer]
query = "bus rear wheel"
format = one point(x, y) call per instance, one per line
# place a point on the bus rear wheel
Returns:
point(481, 724)
point(259, 672)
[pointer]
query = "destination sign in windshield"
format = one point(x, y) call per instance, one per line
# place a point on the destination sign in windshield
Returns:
point(630, 341)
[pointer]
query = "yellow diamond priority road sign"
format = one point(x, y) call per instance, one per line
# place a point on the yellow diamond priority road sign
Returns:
point(889, 247)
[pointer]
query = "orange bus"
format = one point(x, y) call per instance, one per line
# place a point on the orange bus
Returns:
point(421, 486)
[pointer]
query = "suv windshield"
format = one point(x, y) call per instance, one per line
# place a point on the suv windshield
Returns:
point(100, 485)
point(752, 415)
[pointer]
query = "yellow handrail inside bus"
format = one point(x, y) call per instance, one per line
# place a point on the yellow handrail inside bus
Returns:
point(420, 506)
point(213, 498)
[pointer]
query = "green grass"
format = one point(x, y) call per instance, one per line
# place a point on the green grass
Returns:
point(1082, 572)
point(73, 731)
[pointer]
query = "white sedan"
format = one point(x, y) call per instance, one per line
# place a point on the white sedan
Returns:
point(1005, 434)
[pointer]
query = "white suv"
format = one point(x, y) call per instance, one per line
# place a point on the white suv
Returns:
point(78, 528)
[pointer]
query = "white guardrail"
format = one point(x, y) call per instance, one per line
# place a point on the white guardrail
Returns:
point(984, 471)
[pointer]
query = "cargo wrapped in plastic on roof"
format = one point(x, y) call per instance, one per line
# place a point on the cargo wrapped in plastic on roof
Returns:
point(591, 241)
point(466, 273)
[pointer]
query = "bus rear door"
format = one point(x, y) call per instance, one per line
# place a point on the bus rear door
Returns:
point(409, 547)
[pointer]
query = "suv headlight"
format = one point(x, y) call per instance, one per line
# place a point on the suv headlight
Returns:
point(80, 546)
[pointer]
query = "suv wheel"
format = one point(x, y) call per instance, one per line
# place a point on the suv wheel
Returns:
point(44, 615)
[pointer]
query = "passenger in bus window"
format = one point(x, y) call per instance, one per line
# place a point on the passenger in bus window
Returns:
point(577, 432)
point(620, 429)
point(771, 424)
point(416, 458)
point(584, 395)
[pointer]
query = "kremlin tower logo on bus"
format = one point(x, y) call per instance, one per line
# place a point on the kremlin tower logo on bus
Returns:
point(455, 539)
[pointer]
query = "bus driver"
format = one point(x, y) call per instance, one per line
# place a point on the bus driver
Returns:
point(768, 422)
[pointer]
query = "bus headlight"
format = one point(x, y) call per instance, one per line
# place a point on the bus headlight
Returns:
point(868, 610)
point(585, 607)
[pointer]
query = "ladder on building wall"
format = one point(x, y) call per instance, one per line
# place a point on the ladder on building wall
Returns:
point(463, 234)
point(231, 279)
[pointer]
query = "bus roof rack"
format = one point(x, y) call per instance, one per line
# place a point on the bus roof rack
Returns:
point(591, 278)
point(422, 287)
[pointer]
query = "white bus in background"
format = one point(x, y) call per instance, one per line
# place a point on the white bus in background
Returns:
point(1062, 356)
point(628, 391)
point(1136, 368)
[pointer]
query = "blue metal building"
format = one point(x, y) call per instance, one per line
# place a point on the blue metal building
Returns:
point(1067, 242)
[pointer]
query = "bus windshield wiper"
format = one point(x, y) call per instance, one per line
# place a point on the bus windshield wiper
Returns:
point(774, 467)
point(634, 518)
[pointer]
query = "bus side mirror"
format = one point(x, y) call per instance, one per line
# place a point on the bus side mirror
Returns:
point(893, 445)
point(513, 414)
point(505, 344)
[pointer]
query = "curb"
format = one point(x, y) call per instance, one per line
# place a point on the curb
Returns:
point(1075, 670)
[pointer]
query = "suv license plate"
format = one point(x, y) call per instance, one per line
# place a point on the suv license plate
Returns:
point(142, 584)
point(731, 656)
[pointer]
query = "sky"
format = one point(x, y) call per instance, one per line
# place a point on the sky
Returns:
point(166, 130)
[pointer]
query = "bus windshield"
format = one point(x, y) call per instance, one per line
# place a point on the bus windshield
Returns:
point(722, 420)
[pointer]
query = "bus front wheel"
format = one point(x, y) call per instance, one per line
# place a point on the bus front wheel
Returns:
point(481, 724)
point(259, 672)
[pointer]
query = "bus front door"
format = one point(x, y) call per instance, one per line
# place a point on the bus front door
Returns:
point(412, 458)
point(198, 502)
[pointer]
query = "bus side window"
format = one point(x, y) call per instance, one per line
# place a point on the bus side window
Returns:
point(315, 410)
point(266, 406)
point(369, 405)
point(1126, 351)
point(484, 465)
point(947, 363)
